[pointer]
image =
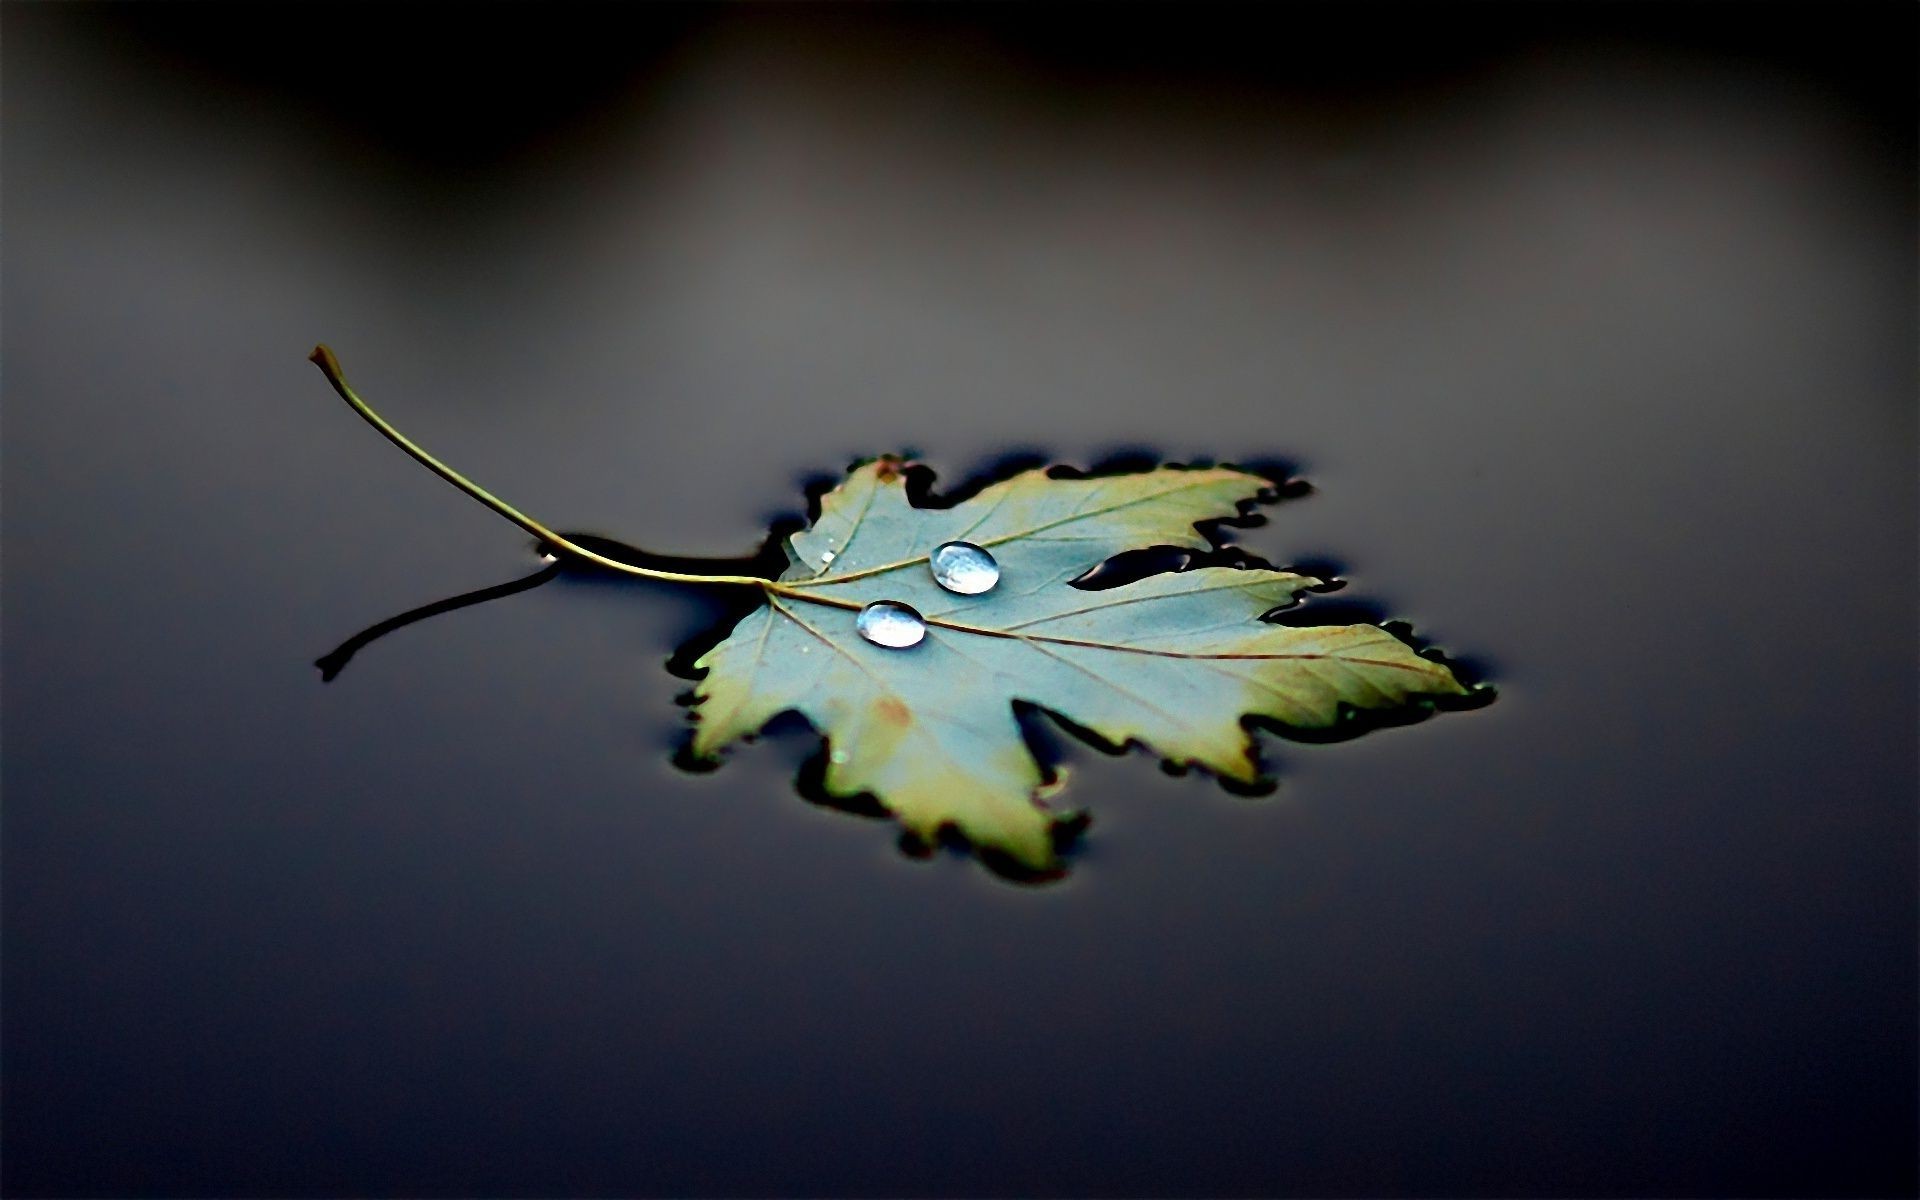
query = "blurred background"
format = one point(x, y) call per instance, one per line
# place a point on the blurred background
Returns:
point(1592, 327)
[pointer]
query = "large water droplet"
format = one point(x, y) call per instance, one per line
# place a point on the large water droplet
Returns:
point(890, 624)
point(963, 567)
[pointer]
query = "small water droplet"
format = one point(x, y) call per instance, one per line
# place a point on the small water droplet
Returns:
point(839, 757)
point(890, 624)
point(964, 568)
point(826, 556)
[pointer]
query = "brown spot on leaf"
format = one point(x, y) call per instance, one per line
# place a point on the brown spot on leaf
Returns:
point(889, 711)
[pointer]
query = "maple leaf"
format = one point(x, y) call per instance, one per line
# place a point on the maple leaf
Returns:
point(922, 718)
point(1174, 661)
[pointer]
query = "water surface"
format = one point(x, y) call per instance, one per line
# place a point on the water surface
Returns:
point(1592, 331)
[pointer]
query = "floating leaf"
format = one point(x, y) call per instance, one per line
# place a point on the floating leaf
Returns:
point(1173, 661)
point(907, 634)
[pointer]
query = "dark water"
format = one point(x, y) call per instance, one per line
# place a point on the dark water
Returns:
point(1593, 329)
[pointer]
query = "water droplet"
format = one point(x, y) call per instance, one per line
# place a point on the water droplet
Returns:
point(826, 556)
point(840, 757)
point(890, 624)
point(964, 568)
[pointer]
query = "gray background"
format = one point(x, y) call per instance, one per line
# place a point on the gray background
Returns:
point(1593, 329)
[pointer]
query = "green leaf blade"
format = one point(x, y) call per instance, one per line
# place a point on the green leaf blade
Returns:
point(1175, 662)
point(1038, 526)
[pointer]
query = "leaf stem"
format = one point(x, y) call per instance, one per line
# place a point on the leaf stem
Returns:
point(330, 367)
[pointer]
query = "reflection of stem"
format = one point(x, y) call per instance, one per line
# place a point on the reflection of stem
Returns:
point(330, 367)
point(333, 663)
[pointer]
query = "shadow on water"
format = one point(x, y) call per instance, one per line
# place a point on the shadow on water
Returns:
point(1041, 728)
point(335, 660)
point(759, 563)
